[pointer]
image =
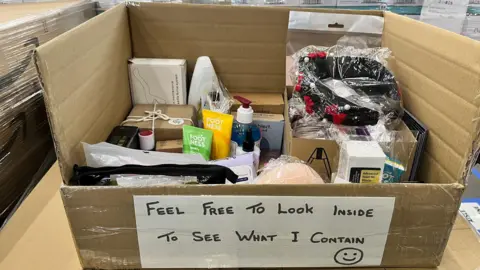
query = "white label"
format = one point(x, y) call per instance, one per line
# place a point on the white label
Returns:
point(471, 212)
point(261, 231)
point(176, 121)
point(447, 14)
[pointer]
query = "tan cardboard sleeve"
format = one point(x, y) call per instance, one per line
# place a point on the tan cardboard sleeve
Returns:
point(87, 94)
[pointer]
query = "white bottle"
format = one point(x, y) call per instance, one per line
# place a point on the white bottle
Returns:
point(202, 81)
point(249, 146)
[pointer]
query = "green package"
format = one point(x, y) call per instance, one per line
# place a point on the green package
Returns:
point(197, 140)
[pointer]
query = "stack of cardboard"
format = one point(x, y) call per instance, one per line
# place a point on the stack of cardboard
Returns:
point(25, 138)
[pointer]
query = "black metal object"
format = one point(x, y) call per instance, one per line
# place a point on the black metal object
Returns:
point(320, 154)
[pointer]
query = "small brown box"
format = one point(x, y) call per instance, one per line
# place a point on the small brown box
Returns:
point(262, 102)
point(164, 130)
point(171, 146)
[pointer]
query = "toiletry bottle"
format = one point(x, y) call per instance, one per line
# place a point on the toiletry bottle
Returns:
point(243, 122)
point(249, 146)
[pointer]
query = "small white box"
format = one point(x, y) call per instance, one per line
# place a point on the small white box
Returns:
point(360, 162)
point(162, 81)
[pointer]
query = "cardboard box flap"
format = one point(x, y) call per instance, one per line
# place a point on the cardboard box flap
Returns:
point(439, 75)
point(246, 45)
point(85, 77)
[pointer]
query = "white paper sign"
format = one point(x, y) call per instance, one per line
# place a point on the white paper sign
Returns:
point(470, 210)
point(447, 14)
point(261, 231)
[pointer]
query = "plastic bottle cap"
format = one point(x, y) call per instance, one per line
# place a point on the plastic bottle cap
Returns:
point(245, 112)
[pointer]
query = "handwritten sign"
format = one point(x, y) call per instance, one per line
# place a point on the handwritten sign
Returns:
point(261, 231)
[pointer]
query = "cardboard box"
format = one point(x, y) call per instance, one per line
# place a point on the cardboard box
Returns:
point(161, 81)
point(438, 74)
point(172, 146)
point(262, 102)
point(164, 129)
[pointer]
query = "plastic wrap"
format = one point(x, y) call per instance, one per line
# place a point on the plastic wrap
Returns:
point(25, 139)
point(218, 99)
point(106, 154)
point(288, 170)
point(347, 86)
point(398, 147)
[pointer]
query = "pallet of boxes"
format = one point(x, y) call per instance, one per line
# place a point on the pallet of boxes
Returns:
point(26, 150)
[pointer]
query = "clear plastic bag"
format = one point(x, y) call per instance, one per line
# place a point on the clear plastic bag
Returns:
point(218, 99)
point(398, 147)
point(347, 86)
point(106, 154)
point(288, 170)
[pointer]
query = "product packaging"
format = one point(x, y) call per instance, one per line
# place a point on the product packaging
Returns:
point(197, 140)
point(360, 162)
point(393, 171)
point(271, 127)
point(221, 125)
point(172, 146)
point(166, 121)
point(242, 165)
point(288, 170)
point(161, 81)
point(261, 102)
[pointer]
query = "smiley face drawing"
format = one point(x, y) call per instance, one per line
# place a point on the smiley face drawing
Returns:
point(348, 256)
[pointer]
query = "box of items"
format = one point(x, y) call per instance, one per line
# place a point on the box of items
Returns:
point(27, 147)
point(317, 225)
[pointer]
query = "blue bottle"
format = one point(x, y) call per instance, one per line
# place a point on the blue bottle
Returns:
point(243, 122)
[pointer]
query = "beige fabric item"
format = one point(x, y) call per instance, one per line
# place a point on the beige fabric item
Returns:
point(285, 172)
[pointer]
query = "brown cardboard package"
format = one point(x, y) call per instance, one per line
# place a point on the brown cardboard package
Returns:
point(262, 102)
point(438, 72)
point(172, 146)
point(164, 129)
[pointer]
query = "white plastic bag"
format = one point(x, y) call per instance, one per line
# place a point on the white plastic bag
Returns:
point(106, 154)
